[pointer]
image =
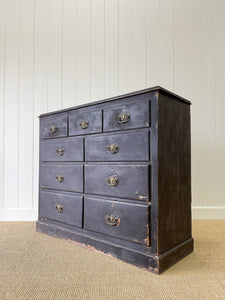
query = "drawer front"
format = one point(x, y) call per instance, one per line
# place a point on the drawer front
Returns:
point(62, 150)
point(122, 220)
point(118, 180)
point(120, 147)
point(52, 128)
point(85, 122)
point(62, 177)
point(134, 115)
point(61, 208)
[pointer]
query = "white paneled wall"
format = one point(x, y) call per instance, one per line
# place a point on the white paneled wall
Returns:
point(60, 53)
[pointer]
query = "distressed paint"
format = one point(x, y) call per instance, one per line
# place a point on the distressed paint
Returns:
point(72, 177)
point(133, 219)
point(71, 150)
point(132, 181)
point(138, 116)
point(131, 147)
point(141, 200)
point(72, 207)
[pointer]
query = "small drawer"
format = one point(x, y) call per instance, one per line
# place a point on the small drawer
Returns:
point(123, 220)
point(61, 208)
point(134, 115)
point(85, 122)
point(62, 177)
point(53, 127)
point(69, 149)
point(122, 181)
point(120, 147)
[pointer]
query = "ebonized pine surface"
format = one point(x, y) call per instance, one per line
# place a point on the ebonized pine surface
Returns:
point(115, 177)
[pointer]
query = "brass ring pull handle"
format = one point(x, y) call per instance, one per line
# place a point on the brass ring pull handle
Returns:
point(60, 151)
point(112, 149)
point(84, 124)
point(59, 178)
point(123, 118)
point(112, 220)
point(53, 129)
point(112, 180)
point(59, 208)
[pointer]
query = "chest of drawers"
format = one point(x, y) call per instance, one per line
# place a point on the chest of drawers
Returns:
point(115, 176)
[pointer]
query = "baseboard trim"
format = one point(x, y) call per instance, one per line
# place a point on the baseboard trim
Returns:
point(20, 214)
point(208, 213)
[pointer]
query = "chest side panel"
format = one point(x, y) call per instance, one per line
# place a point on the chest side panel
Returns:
point(174, 173)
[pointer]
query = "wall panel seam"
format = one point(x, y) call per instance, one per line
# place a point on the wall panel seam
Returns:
point(174, 45)
point(34, 30)
point(77, 47)
point(215, 77)
point(3, 130)
point(48, 30)
point(201, 162)
point(146, 50)
point(118, 34)
point(104, 50)
point(18, 95)
point(90, 54)
point(62, 50)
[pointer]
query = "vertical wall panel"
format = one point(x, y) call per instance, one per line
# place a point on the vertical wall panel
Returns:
point(166, 47)
point(153, 42)
point(111, 47)
point(83, 51)
point(11, 104)
point(182, 57)
point(55, 55)
point(41, 22)
point(187, 59)
point(69, 86)
point(219, 154)
point(2, 94)
point(97, 49)
point(26, 104)
point(208, 102)
point(194, 93)
point(139, 45)
point(125, 46)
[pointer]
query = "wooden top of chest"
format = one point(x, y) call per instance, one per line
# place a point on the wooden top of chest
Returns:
point(152, 89)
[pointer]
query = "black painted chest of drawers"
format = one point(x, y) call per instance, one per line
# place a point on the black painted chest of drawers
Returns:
point(115, 176)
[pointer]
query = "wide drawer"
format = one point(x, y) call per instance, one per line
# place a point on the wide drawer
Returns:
point(120, 147)
point(85, 122)
point(69, 149)
point(133, 115)
point(62, 208)
point(126, 181)
point(62, 177)
point(53, 127)
point(123, 220)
